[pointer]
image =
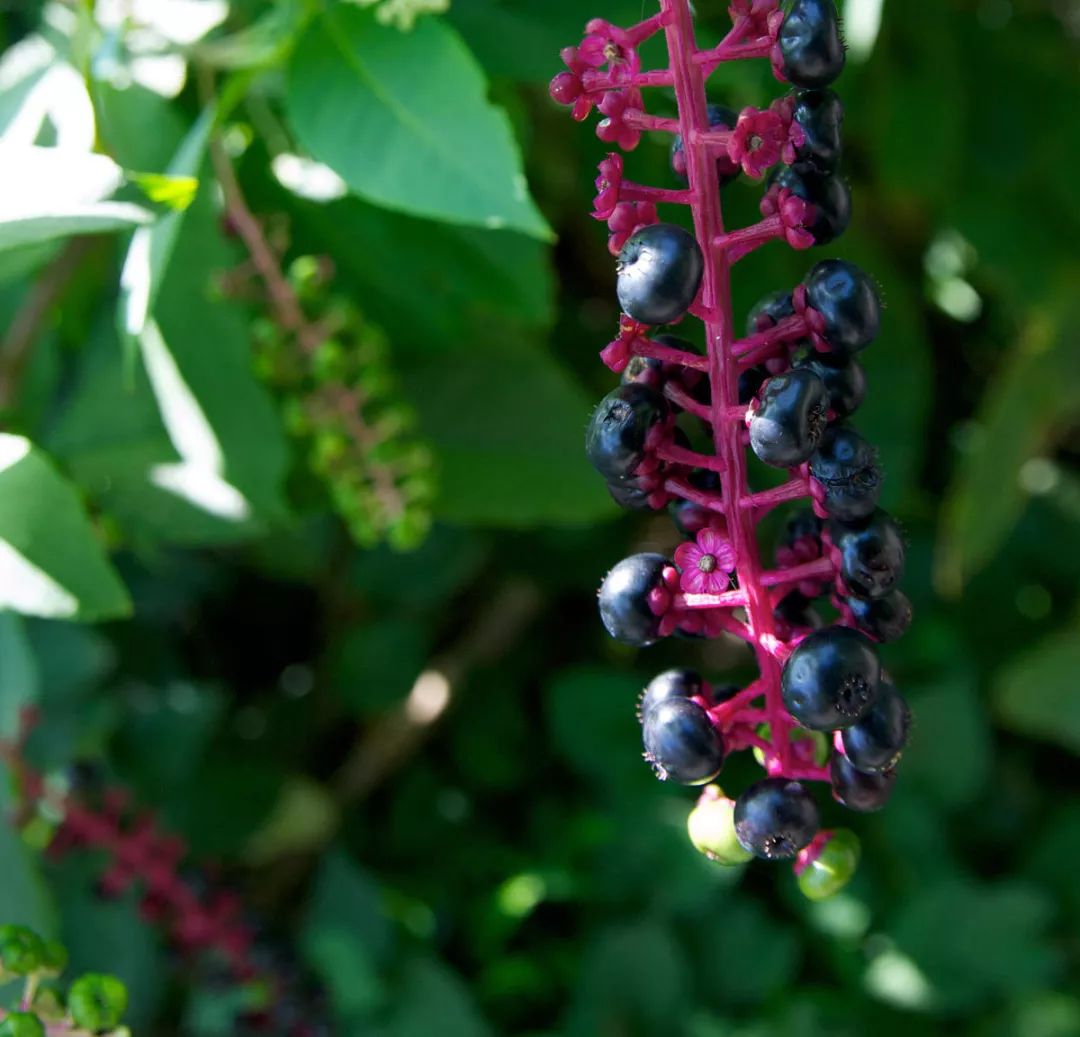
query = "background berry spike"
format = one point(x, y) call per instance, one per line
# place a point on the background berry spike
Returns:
point(788, 412)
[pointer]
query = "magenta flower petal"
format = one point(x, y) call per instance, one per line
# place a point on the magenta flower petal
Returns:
point(687, 556)
point(694, 581)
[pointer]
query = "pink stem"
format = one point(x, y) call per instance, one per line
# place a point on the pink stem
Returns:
point(638, 120)
point(680, 455)
point(600, 82)
point(818, 569)
point(726, 600)
point(679, 396)
point(630, 192)
point(765, 499)
point(709, 59)
point(788, 330)
point(658, 351)
point(681, 488)
point(745, 240)
point(723, 370)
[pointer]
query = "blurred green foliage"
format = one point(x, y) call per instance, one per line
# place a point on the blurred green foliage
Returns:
point(424, 769)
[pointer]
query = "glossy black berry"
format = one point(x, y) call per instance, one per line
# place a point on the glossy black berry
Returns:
point(671, 684)
point(872, 554)
point(811, 50)
point(798, 612)
point(826, 192)
point(750, 382)
point(659, 273)
point(876, 742)
point(801, 525)
point(720, 118)
point(790, 418)
point(831, 679)
point(615, 438)
point(846, 467)
point(682, 743)
point(624, 599)
point(775, 819)
point(848, 301)
point(884, 619)
point(845, 379)
point(820, 115)
point(628, 494)
point(692, 518)
point(858, 790)
point(770, 311)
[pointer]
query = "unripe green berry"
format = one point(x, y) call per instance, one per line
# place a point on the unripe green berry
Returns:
point(833, 867)
point(55, 957)
point(711, 826)
point(22, 1024)
point(97, 1002)
point(21, 950)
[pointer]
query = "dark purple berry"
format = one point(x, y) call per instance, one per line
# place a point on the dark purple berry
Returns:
point(791, 416)
point(876, 742)
point(884, 619)
point(831, 679)
point(624, 599)
point(801, 525)
point(615, 438)
point(659, 273)
point(628, 494)
point(720, 118)
point(810, 46)
point(682, 743)
point(858, 790)
point(797, 611)
point(845, 466)
point(872, 554)
point(848, 301)
point(820, 115)
point(845, 379)
point(775, 819)
point(671, 684)
point(770, 311)
point(827, 193)
point(750, 382)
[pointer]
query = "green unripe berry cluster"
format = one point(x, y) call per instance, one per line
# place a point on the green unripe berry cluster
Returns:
point(341, 399)
point(95, 1003)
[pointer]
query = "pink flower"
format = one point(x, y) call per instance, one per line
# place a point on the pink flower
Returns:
point(607, 186)
point(616, 354)
point(706, 565)
point(606, 44)
point(614, 129)
point(757, 140)
point(757, 12)
point(626, 219)
point(796, 135)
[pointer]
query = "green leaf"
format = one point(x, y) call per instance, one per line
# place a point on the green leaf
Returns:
point(1037, 694)
point(433, 999)
point(48, 193)
point(51, 561)
point(507, 426)
point(435, 287)
point(949, 754)
point(20, 680)
point(1018, 416)
point(24, 896)
point(977, 942)
point(376, 665)
point(151, 248)
point(404, 119)
point(632, 981)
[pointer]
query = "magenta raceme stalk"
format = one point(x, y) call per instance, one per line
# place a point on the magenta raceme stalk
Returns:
point(202, 923)
point(784, 389)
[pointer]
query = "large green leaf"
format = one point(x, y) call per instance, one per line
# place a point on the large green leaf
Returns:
point(433, 999)
point(404, 119)
point(507, 426)
point(1017, 420)
point(51, 561)
point(1037, 695)
point(20, 681)
point(48, 193)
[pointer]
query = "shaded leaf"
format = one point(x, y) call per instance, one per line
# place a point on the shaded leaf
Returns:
point(405, 121)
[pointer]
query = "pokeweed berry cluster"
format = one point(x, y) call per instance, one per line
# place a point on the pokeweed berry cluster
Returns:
point(93, 1004)
point(785, 390)
point(205, 925)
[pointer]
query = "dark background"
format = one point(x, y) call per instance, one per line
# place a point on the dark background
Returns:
point(511, 867)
